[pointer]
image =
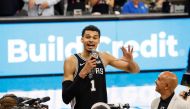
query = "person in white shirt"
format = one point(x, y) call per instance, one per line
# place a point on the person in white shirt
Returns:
point(165, 85)
point(40, 7)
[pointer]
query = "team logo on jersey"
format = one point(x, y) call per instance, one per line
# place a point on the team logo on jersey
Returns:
point(81, 64)
point(97, 71)
point(98, 62)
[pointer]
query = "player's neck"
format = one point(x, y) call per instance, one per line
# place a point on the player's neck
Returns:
point(85, 54)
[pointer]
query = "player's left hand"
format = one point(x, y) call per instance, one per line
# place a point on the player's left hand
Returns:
point(127, 53)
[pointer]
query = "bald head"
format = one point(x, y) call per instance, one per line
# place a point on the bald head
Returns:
point(170, 79)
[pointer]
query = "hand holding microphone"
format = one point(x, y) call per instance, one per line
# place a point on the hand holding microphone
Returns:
point(90, 65)
point(94, 56)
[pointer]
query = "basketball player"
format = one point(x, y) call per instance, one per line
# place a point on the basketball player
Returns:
point(84, 75)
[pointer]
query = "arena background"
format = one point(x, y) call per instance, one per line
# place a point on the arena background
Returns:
point(32, 52)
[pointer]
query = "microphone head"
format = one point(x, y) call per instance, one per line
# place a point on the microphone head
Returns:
point(45, 99)
point(42, 100)
point(94, 53)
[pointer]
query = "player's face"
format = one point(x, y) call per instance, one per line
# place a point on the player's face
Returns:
point(90, 40)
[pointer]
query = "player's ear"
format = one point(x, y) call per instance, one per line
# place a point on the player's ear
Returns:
point(99, 41)
point(82, 39)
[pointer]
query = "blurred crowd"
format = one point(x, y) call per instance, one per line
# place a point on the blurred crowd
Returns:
point(88, 7)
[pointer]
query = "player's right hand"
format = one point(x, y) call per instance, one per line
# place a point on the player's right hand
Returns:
point(89, 65)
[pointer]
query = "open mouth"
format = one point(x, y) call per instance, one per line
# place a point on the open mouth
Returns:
point(91, 46)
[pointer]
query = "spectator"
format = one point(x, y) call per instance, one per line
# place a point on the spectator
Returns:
point(40, 7)
point(165, 85)
point(59, 8)
point(118, 5)
point(75, 7)
point(166, 6)
point(135, 7)
point(101, 6)
point(10, 7)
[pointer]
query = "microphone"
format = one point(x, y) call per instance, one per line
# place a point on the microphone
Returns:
point(36, 100)
point(20, 100)
point(42, 100)
point(94, 55)
point(30, 101)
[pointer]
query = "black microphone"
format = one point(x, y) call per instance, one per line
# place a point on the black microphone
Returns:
point(94, 55)
point(36, 100)
point(30, 101)
point(20, 100)
point(42, 100)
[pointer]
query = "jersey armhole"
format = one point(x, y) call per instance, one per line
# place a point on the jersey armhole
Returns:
point(76, 69)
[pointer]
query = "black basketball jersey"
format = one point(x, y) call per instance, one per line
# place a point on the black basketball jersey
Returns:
point(93, 88)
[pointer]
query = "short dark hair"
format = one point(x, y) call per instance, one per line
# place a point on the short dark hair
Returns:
point(92, 28)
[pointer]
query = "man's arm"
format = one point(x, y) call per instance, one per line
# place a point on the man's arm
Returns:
point(67, 91)
point(126, 63)
point(70, 86)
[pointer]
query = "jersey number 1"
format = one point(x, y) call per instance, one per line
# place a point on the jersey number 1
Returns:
point(93, 85)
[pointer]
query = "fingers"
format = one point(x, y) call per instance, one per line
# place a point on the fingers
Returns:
point(123, 50)
point(132, 49)
point(129, 49)
point(91, 63)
